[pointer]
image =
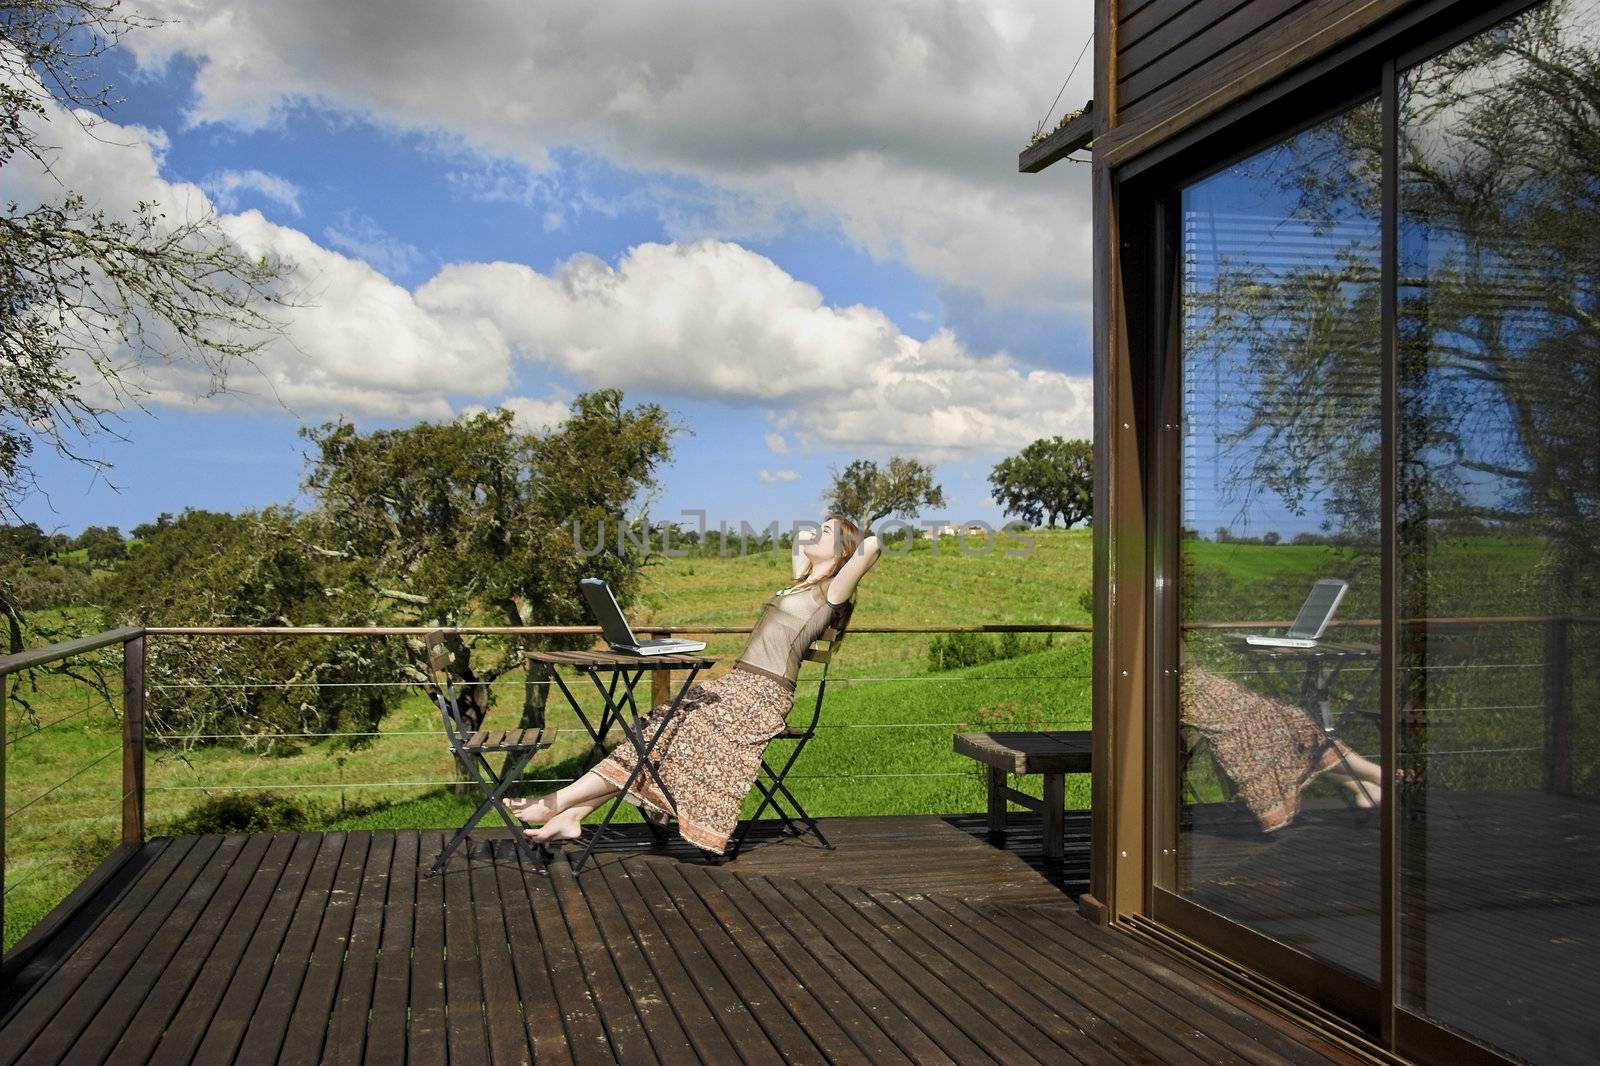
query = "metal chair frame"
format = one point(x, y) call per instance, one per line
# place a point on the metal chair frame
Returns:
point(471, 750)
point(798, 823)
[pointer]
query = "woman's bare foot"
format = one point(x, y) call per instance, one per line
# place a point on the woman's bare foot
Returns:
point(1363, 794)
point(562, 827)
point(532, 811)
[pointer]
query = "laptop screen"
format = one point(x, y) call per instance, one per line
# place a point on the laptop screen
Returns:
point(1318, 609)
point(603, 605)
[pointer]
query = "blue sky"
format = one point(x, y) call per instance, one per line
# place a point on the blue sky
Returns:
point(892, 291)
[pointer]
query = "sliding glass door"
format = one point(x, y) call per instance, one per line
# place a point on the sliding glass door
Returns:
point(1499, 535)
point(1280, 358)
point(1382, 534)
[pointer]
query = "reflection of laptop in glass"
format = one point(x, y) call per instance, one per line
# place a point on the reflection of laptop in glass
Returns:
point(1313, 619)
point(614, 627)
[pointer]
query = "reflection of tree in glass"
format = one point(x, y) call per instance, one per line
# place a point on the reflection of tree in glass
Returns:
point(1500, 249)
point(1293, 315)
point(1499, 336)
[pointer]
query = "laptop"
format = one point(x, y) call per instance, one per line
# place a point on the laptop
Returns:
point(614, 627)
point(1314, 617)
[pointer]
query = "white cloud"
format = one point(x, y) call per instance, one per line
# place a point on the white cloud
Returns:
point(708, 319)
point(776, 443)
point(716, 320)
point(897, 121)
point(354, 342)
point(226, 186)
point(536, 416)
point(776, 477)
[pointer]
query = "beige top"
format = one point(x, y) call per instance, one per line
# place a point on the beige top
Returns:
point(788, 624)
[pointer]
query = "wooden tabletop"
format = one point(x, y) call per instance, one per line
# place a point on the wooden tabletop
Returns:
point(618, 660)
point(1323, 649)
point(1058, 752)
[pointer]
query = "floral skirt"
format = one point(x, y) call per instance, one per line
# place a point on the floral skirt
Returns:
point(708, 756)
point(1268, 748)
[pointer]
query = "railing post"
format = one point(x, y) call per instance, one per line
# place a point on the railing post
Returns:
point(133, 740)
point(1557, 706)
point(5, 688)
point(660, 680)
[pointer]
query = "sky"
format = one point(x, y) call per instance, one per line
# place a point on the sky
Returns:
point(797, 226)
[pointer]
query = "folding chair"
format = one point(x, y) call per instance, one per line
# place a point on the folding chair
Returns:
point(471, 750)
point(822, 651)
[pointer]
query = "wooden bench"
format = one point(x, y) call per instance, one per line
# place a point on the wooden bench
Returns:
point(1052, 754)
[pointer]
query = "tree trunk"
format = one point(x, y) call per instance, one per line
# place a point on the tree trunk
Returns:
point(535, 696)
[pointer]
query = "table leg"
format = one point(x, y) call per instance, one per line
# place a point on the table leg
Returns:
point(596, 737)
point(997, 799)
point(1055, 802)
point(641, 763)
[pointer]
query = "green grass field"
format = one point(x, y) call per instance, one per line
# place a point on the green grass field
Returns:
point(884, 747)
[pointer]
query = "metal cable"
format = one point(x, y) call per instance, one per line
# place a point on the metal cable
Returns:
point(52, 722)
point(79, 773)
point(524, 780)
point(837, 679)
point(438, 733)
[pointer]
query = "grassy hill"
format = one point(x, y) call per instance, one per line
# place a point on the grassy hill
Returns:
point(884, 747)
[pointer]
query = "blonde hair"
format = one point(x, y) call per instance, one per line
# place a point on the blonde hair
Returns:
point(850, 537)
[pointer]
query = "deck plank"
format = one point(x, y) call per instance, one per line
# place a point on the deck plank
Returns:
point(771, 1010)
point(226, 1028)
point(1075, 1030)
point(535, 988)
point(699, 1024)
point(334, 947)
point(38, 1004)
point(391, 988)
point(104, 987)
point(750, 923)
point(347, 1028)
point(307, 1030)
point(508, 1035)
point(465, 1027)
point(248, 880)
point(580, 1014)
point(425, 1027)
point(667, 1037)
point(847, 939)
point(883, 1009)
point(738, 1022)
point(268, 1022)
point(994, 948)
point(623, 1025)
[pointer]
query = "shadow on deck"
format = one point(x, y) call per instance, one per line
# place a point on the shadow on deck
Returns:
point(916, 940)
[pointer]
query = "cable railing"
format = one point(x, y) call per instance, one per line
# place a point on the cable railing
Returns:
point(1551, 637)
point(131, 639)
point(138, 733)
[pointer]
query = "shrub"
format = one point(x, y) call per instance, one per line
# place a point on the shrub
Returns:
point(240, 812)
point(955, 651)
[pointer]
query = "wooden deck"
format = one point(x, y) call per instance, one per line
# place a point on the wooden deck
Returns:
point(916, 940)
point(1516, 870)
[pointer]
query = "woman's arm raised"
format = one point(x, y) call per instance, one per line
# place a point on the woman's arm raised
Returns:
point(843, 583)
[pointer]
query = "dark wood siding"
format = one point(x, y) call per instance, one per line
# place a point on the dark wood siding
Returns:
point(1171, 52)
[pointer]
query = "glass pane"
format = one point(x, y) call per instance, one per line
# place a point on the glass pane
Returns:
point(1278, 827)
point(1500, 536)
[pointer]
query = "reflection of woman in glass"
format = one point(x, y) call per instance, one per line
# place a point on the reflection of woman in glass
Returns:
point(711, 752)
point(1270, 749)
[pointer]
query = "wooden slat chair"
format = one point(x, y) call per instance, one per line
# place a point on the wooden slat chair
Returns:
point(797, 822)
point(472, 748)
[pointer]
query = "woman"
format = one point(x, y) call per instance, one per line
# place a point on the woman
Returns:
point(711, 752)
point(1270, 749)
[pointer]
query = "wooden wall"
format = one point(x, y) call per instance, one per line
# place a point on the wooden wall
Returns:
point(1175, 62)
